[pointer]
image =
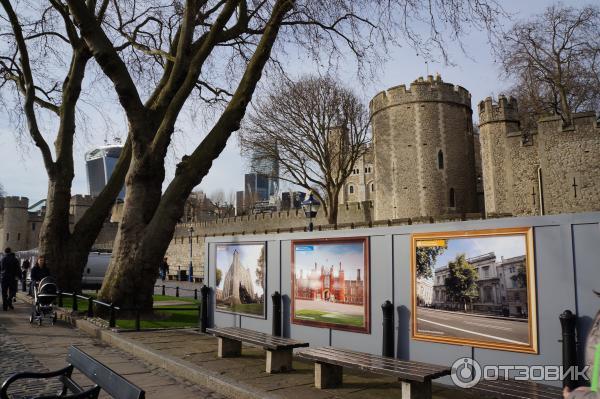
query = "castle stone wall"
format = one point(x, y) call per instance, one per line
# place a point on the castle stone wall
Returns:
point(556, 167)
point(410, 128)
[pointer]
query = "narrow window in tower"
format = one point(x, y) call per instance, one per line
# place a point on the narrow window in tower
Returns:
point(7, 236)
point(18, 236)
point(440, 159)
point(351, 189)
point(452, 198)
point(32, 226)
point(372, 186)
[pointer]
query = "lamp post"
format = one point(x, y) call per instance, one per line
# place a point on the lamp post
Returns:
point(191, 269)
point(311, 207)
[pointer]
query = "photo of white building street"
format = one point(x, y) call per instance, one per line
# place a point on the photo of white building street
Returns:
point(473, 288)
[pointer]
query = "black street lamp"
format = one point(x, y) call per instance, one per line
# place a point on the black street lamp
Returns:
point(191, 269)
point(311, 207)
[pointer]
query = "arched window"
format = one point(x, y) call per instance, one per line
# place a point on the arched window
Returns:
point(351, 189)
point(372, 186)
point(440, 159)
point(452, 198)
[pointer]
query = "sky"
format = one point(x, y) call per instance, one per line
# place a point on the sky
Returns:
point(351, 256)
point(248, 259)
point(22, 172)
point(502, 246)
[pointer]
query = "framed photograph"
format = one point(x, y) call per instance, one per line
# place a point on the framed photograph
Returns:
point(330, 283)
point(475, 288)
point(241, 278)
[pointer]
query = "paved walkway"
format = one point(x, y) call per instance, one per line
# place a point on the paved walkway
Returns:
point(23, 346)
point(249, 370)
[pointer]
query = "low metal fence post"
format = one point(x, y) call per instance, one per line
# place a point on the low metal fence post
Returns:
point(74, 304)
point(137, 319)
point(112, 322)
point(177, 292)
point(90, 311)
point(163, 290)
point(196, 293)
point(204, 318)
point(276, 314)
point(60, 299)
point(388, 329)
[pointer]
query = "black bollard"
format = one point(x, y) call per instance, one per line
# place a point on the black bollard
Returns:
point(177, 292)
point(204, 317)
point(276, 314)
point(196, 293)
point(388, 329)
point(74, 305)
point(163, 290)
point(137, 319)
point(60, 301)
point(111, 321)
point(90, 312)
point(568, 322)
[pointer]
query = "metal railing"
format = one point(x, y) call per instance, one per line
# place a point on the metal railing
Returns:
point(202, 307)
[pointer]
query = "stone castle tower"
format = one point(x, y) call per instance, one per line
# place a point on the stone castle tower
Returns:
point(16, 228)
point(552, 169)
point(424, 157)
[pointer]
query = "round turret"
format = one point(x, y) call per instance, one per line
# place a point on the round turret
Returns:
point(423, 150)
point(15, 222)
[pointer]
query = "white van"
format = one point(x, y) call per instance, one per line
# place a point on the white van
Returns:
point(93, 273)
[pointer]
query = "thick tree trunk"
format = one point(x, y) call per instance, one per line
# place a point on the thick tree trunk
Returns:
point(54, 232)
point(130, 278)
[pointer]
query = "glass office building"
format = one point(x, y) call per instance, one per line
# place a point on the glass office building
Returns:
point(100, 163)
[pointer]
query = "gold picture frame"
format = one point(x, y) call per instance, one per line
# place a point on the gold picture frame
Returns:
point(470, 288)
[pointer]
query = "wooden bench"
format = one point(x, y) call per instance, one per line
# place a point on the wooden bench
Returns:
point(103, 377)
point(415, 377)
point(279, 350)
point(510, 389)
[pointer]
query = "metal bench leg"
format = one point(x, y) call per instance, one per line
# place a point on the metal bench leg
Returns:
point(278, 361)
point(229, 347)
point(416, 390)
point(328, 375)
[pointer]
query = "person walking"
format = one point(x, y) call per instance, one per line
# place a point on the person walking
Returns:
point(593, 341)
point(163, 269)
point(10, 272)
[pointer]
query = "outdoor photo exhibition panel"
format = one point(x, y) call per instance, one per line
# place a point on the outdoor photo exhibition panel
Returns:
point(330, 283)
point(475, 288)
point(240, 278)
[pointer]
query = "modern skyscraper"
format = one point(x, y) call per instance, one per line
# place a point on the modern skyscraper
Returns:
point(100, 163)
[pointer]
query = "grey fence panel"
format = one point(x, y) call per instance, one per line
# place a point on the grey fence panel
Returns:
point(567, 253)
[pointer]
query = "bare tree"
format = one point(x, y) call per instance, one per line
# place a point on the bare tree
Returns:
point(160, 55)
point(37, 42)
point(316, 129)
point(2, 191)
point(555, 59)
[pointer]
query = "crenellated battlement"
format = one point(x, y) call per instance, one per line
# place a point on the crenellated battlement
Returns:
point(421, 90)
point(81, 200)
point(15, 202)
point(581, 121)
point(504, 110)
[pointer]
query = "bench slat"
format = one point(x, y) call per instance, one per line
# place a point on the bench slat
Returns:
point(390, 361)
point(375, 364)
point(111, 382)
point(257, 338)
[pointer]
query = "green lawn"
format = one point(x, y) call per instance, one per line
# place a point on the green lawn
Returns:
point(329, 317)
point(248, 308)
point(163, 318)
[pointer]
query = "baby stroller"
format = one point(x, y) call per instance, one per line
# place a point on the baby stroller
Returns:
point(44, 294)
